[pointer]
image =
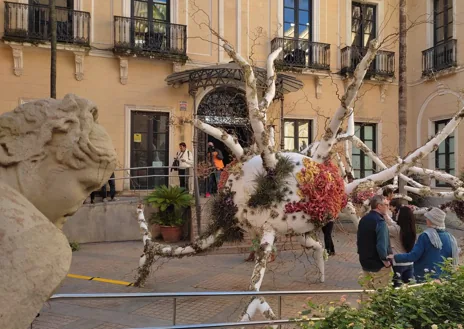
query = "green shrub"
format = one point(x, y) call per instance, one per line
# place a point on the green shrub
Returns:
point(436, 304)
point(171, 202)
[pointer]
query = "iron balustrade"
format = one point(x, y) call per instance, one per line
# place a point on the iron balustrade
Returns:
point(24, 22)
point(301, 53)
point(149, 37)
point(439, 57)
point(382, 65)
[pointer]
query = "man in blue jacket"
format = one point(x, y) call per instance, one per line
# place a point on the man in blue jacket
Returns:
point(373, 243)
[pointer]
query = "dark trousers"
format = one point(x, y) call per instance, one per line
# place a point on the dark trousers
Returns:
point(184, 180)
point(103, 192)
point(402, 274)
point(213, 181)
point(328, 242)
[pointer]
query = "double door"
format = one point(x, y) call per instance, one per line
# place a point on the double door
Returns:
point(149, 149)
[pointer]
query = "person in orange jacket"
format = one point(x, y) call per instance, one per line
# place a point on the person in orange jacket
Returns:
point(214, 158)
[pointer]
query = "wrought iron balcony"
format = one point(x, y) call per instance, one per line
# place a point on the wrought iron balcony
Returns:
point(440, 57)
point(32, 23)
point(382, 66)
point(149, 38)
point(301, 53)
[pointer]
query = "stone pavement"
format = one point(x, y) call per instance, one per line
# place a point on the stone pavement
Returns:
point(292, 270)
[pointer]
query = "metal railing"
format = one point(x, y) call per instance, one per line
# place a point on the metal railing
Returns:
point(382, 65)
point(32, 23)
point(439, 57)
point(176, 295)
point(143, 36)
point(302, 53)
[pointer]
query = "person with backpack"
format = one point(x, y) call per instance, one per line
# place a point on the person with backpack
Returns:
point(214, 158)
point(184, 160)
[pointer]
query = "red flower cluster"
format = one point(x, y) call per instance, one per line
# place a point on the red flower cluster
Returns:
point(360, 196)
point(322, 190)
point(225, 175)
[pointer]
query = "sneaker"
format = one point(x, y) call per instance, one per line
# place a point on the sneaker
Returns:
point(207, 195)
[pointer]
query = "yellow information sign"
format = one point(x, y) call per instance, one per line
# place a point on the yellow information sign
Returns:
point(137, 138)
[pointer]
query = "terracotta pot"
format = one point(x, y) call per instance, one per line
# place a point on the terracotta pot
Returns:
point(171, 234)
point(155, 231)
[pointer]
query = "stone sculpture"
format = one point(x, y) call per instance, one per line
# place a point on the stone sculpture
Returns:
point(53, 154)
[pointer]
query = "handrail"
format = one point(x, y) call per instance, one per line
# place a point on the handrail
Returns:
point(208, 294)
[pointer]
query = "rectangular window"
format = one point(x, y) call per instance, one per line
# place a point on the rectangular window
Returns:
point(297, 19)
point(442, 21)
point(363, 24)
point(444, 155)
point(297, 134)
point(363, 165)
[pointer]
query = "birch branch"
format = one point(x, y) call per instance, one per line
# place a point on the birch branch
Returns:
point(230, 141)
point(330, 135)
point(438, 175)
point(271, 80)
point(426, 191)
point(414, 157)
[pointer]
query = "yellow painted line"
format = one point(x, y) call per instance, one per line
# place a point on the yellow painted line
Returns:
point(93, 278)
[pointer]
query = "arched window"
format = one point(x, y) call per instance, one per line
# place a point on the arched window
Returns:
point(224, 107)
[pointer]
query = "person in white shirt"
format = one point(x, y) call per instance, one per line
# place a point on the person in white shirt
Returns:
point(185, 158)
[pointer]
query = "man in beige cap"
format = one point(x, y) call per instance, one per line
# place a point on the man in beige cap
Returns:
point(433, 246)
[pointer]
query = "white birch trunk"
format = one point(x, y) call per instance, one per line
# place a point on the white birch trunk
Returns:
point(438, 175)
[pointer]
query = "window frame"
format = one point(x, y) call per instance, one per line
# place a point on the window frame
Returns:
point(296, 12)
point(360, 31)
point(296, 137)
point(447, 6)
point(447, 153)
point(150, 5)
point(362, 156)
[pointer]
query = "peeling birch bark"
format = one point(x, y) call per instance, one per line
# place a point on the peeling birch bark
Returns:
point(230, 141)
point(330, 135)
point(309, 242)
point(438, 175)
point(341, 166)
point(259, 303)
point(414, 157)
point(152, 249)
point(426, 191)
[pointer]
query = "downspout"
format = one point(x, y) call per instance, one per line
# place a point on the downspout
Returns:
point(196, 187)
point(282, 123)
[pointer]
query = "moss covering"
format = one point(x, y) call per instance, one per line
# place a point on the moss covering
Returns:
point(223, 216)
point(271, 187)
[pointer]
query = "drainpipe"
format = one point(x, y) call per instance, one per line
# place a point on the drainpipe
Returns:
point(282, 143)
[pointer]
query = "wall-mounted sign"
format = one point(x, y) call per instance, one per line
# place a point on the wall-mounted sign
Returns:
point(183, 105)
point(137, 138)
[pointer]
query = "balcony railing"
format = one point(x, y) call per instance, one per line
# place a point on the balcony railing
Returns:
point(144, 37)
point(440, 57)
point(383, 65)
point(300, 53)
point(32, 23)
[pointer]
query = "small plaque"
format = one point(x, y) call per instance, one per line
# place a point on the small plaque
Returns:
point(137, 138)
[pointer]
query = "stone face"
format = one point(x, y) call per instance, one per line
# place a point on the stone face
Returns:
point(34, 255)
point(53, 153)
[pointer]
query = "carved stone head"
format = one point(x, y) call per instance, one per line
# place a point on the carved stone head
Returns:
point(55, 153)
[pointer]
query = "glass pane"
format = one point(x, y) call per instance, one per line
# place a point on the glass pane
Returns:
point(289, 15)
point(303, 32)
point(368, 132)
point(368, 164)
point(450, 31)
point(356, 161)
point(303, 17)
point(439, 5)
point(357, 174)
point(442, 161)
point(62, 3)
point(368, 172)
point(452, 165)
point(356, 12)
point(289, 3)
point(303, 143)
point(140, 9)
point(356, 151)
point(303, 130)
point(159, 12)
point(357, 130)
point(450, 142)
point(452, 172)
point(440, 34)
point(369, 15)
point(304, 4)
point(289, 30)
point(140, 124)
point(369, 144)
point(442, 147)
point(289, 143)
point(289, 129)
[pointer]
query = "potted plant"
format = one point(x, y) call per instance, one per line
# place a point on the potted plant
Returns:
point(171, 203)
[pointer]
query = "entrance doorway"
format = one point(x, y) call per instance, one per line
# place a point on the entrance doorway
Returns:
point(149, 148)
point(226, 108)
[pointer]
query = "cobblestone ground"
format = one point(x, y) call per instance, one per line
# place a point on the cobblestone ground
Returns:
point(292, 270)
